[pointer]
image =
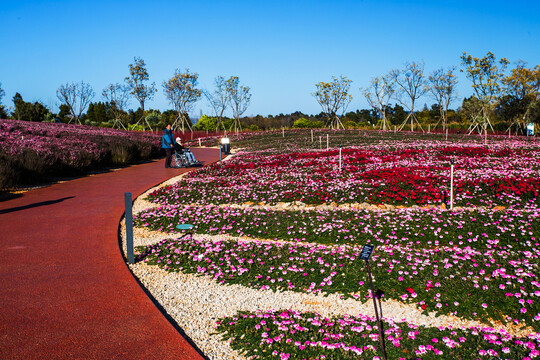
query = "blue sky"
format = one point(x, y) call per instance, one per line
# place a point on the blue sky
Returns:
point(280, 49)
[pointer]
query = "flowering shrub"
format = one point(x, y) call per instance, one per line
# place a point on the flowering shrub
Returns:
point(40, 150)
point(287, 334)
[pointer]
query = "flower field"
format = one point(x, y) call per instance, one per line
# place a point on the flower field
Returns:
point(303, 215)
point(292, 335)
point(35, 151)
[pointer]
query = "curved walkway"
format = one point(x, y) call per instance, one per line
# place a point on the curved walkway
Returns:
point(66, 292)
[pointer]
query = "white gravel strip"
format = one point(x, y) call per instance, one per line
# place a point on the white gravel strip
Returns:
point(196, 302)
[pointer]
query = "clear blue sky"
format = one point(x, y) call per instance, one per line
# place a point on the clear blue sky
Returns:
point(280, 49)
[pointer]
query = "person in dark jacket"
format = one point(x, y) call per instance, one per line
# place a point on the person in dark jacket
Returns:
point(167, 143)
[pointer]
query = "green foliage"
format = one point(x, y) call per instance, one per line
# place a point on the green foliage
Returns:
point(206, 123)
point(398, 114)
point(27, 111)
point(10, 171)
point(304, 123)
point(3, 112)
point(98, 113)
point(154, 117)
point(350, 124)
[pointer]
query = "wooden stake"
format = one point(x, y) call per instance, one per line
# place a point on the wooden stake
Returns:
point(451, 187)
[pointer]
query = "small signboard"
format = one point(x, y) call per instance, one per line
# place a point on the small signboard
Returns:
point(366, 252)
point(530, 129)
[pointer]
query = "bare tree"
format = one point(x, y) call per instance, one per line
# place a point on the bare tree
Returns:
point(411, 83)
point(239, 99)
point(138, 75)
point(486, 77)
point(443, 90)
point(378, 95)
point(219, 99)
point(77, 97)
point(118, 96)
point(333, 96)
point(182, 93)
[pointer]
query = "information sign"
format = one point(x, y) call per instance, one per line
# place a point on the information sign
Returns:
point(366, 252)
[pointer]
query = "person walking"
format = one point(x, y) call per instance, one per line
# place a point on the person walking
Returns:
point(167, 143)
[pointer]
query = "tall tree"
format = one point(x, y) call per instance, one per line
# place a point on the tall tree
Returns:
point(378, 95)
point(410, 84)
point(239, 99)
point(442, 86)
point(117, 95)
point(521, 93)
point(485, 74)
point(98, 112)
point(219, 99)
point(3, 112)
point(333, 96)
point(2, 93)
point(28, 111)
point(138, 75)
point(77, 97)
point(182, 92)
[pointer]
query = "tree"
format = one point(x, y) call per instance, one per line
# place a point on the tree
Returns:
point(219, 99)
point(521, 92)
point(378, 95)
point(138, 75)
point(2, 93)
point(398, 114)
point(98, 113)
point(182, 94)
point(76, 97)
point(442, 85)
point(486, 74)
point(206, 123)
point(3, 112)
point(27, 111)
point(411, 83)
point(333, 96)
point(239, 99)
point(117, 95)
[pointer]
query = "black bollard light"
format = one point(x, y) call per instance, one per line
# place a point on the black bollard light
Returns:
point(367, 250)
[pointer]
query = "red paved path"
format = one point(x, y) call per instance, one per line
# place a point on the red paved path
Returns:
point(66, 292)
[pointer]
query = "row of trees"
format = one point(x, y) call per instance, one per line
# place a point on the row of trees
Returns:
point(181, 91)
point(518, 92)
point(511, 96)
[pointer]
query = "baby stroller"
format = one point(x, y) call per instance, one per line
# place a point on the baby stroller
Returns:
point(183, 157)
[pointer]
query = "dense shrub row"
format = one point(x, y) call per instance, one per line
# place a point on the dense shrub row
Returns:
point(32, 153)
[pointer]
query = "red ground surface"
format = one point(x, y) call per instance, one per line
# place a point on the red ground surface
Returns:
point(66, 292)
